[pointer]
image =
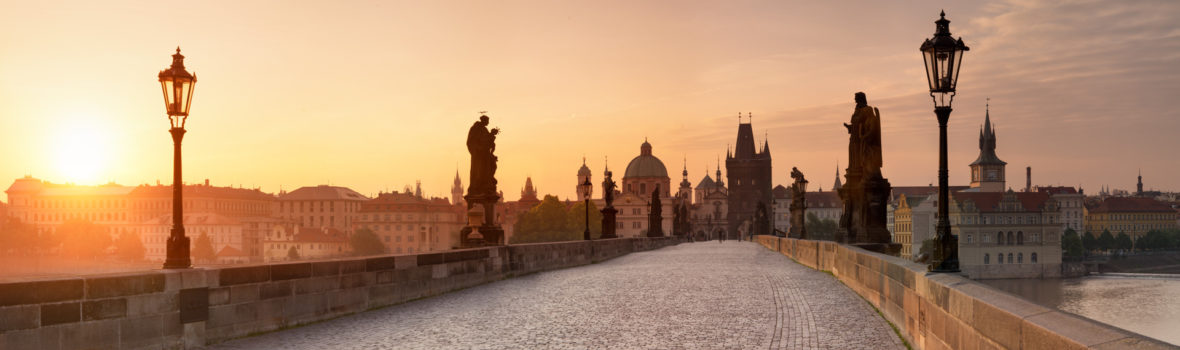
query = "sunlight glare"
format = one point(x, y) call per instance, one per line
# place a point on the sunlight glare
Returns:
point(81, 150)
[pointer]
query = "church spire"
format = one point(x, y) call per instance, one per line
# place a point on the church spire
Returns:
point(837, 185)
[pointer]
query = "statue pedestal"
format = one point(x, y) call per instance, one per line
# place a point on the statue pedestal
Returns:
point(876, 208)
point(866, 202)
point(489, 232)
point(608, 222)
point(798, 222)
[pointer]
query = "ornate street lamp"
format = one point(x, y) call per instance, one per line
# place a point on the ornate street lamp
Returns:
point(943, 57)
point(178, 96)
point(587, 190)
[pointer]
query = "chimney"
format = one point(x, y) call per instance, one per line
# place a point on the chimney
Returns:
point(1028, 179)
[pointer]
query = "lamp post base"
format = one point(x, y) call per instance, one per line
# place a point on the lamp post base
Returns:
point(178, 252)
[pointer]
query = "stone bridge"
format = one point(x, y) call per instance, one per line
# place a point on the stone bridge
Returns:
point(618, 293)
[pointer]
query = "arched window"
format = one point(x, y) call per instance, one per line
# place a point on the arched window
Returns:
point(1000, 258)
point(1019, 258)
point(1009, 258)
point(1011, 241)
point(1020, 237)
point(986, 258)
point(1033, 257)
point(642, 188)
point(1000, 238)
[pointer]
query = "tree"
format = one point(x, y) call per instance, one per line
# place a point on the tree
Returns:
point(364, 242)
point(820, 229)
point(546, 222)
point(1089, 241)
point(292, 254)
point(926, 250)
point(203, 249)
point(1071, 244)
point(1106, 240)
point(83, 239)
point(129, 247)
point(1123, 241)
point(17, 237)
point(577, 219)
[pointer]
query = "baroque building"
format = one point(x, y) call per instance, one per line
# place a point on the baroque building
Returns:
point(321, 206)
point(1007, 234)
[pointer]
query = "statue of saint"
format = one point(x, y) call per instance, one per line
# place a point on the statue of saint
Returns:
point(854, 140)
point(655, 223)
point(608, 190)
point(481, 143)
point(870, 137)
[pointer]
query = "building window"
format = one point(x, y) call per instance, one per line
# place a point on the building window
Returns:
point(986, 258)
point(1010, 242)
point(1000, 238)
point(1000, 258)
point(969, 239)
point(1020, 237)
point(1009, 258)
point(1033, 257)
point(1019, 258)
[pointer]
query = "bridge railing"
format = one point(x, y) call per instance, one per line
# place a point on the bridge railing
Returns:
point(195, 307)
point(943, 311)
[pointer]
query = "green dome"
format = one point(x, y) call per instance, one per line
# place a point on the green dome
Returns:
point(646, 165)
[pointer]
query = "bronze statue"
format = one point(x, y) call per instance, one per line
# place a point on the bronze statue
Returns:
point(481, 143)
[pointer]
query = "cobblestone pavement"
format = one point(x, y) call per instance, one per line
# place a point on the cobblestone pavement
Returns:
point(709, 295)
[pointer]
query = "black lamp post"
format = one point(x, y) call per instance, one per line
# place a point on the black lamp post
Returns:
point(178, 96)
point(943, 56)
point(587, 190)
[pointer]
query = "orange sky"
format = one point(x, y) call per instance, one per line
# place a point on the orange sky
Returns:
point(375, 95)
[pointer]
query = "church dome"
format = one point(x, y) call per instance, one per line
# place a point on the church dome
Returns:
point(584, 171)
point(646, 165)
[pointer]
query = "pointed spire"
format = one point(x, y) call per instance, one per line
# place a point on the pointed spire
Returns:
point(837, 182)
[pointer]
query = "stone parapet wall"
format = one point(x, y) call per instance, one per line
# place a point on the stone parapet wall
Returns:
point(178, 309)
point(943, 311)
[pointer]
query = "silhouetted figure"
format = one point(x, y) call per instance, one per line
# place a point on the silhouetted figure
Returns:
point(655, 227)
point(798, 205)
point(608, 210)
point(481, 143)
point(866, 192)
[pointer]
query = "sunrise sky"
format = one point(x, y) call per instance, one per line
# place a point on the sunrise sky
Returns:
point(376, 95)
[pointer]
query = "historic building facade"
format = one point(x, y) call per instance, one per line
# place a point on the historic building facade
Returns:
point(1007, 234)
point(306, 242)
point(321, 206)
point(1134, 216)
point(749, 171)
point(710, 208)
point(408, 223)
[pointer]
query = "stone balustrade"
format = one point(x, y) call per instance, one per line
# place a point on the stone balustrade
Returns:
point(944, 311)
point(192, 308)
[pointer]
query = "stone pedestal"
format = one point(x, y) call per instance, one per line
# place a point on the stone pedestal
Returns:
point(489, 231)
point(798, 221)
point(866, 203)
point(608, 222)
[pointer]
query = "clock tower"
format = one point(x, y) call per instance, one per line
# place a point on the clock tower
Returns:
point(987, 171)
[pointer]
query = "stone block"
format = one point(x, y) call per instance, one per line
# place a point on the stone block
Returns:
point(194, 278)
point(124, 285)
point(104, 309)
point(405, 261)
point(36, 292)
point(30, 339)
point(281, 272)
point(19, 317)
point(385, 277)
point(379, 263)
point(274, 290)
point(151, 304)
point(212, 277)
point(172, 280)
point(219, 296)
point(960, 306)
point(1134, 342)
point(325, 268)
point(52, 314)
point(241, 275)
point(91, 335)
point(997, 324)
point(382, 295)
point(315, 284)
point(147, 331)
point(193, 335)
point(194, 304)
point(353, 266)
point(354, 280)
point(1059, 330)
point(243, 293)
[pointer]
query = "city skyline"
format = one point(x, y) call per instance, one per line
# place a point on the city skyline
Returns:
point(374, 97)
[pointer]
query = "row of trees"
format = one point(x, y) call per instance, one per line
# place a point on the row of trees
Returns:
point(550, 221)
point(820, 229)
point(1075, 246)
point(79, 239)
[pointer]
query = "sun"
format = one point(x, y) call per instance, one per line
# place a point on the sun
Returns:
point(81, 151)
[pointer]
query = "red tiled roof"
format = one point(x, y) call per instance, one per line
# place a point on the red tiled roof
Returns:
point(322, 192)
point(202, 191)
point(1057, 189)
point(229, 251)
point(828, 199)
point(1131, 205)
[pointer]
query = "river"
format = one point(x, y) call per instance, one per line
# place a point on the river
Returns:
point(1141, 303)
